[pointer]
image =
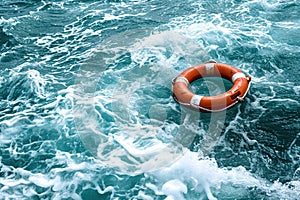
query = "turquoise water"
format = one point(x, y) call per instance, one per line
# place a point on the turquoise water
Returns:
point(86, 108)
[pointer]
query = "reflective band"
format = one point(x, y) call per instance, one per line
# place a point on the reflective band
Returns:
point(237, 75)
point(195, 101)
point(210, 68)
point(182, 80)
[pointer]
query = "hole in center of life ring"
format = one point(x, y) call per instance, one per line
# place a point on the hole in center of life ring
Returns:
point(210, 86)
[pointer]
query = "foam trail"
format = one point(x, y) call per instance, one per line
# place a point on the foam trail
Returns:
point(193, 173)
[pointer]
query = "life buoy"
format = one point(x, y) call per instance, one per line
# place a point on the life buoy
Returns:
point(221, 102)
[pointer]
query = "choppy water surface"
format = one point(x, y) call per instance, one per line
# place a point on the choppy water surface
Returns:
point(86, 110)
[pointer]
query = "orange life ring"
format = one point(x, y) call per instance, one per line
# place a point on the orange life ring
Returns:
point(221, 102)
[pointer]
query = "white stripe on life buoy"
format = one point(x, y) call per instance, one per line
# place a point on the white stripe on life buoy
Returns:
point(210, 68)
point(182, 80)
point(195, 101)
point(237, 75)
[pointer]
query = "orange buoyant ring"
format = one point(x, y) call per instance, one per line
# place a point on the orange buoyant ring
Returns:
point(221, 102)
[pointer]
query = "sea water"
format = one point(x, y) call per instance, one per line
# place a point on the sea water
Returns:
point(86, 107)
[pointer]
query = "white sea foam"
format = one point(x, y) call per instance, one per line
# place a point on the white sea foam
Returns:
point(196, 174)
